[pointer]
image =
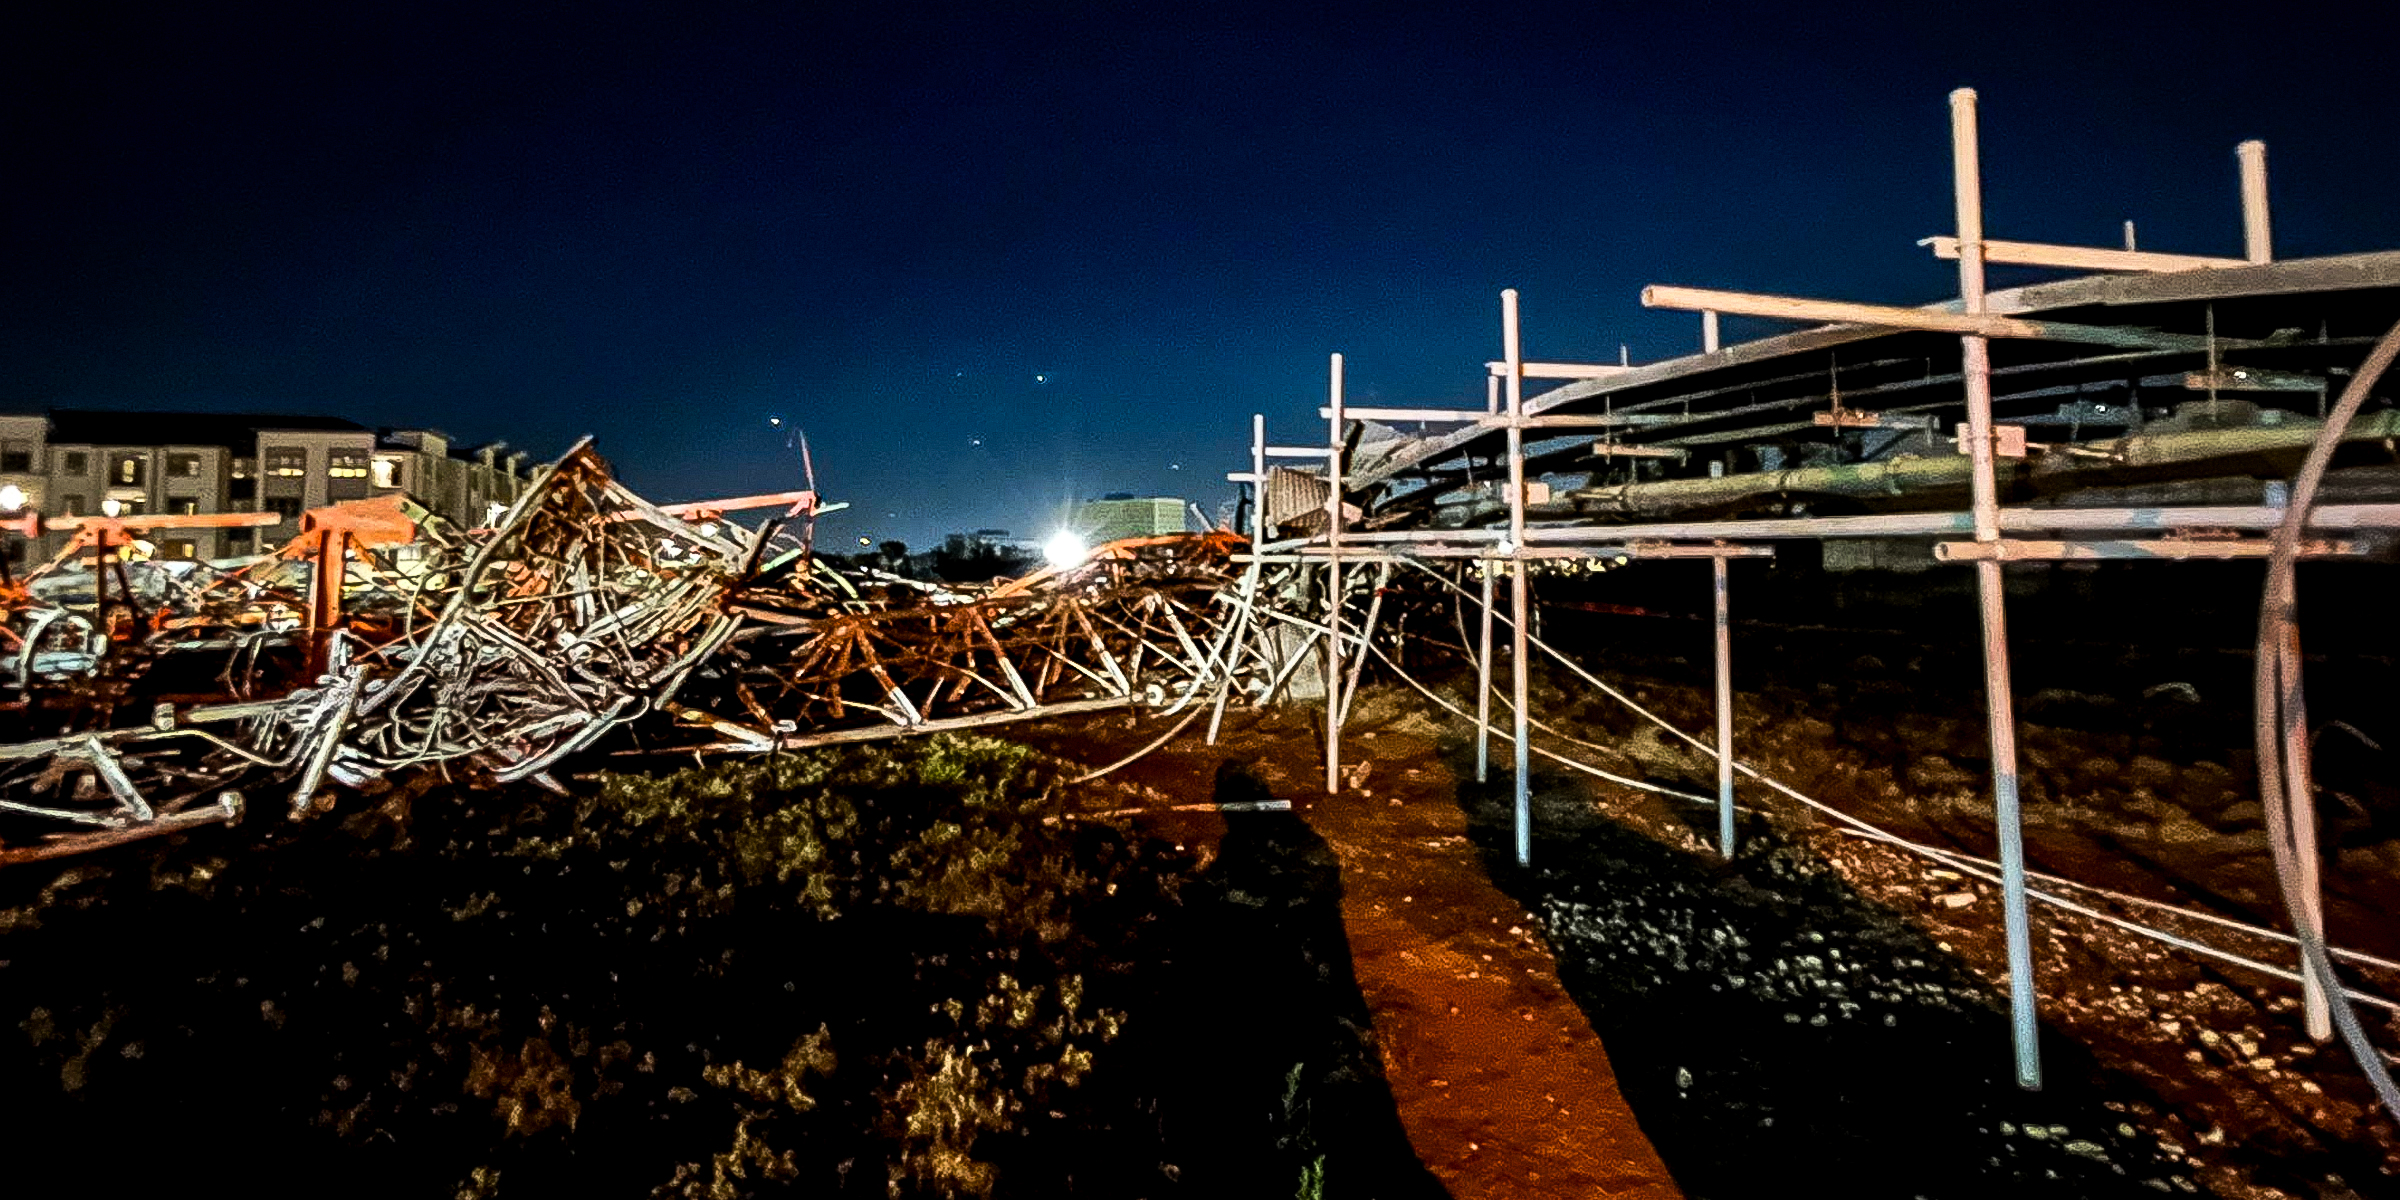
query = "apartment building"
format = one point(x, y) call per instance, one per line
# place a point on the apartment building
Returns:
point(71, 461)
point(1125, 515)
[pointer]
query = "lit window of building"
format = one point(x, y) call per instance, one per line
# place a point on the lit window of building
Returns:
point(287, 462)
point(347, 464)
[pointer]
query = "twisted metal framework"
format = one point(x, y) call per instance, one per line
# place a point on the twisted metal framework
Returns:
point(381, 642)
point(1147, 622)
point(496, 653)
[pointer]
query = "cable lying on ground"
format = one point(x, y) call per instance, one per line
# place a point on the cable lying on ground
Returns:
point(1955, 861)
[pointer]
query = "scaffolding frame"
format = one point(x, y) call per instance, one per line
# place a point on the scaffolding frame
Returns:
point(1982, 531)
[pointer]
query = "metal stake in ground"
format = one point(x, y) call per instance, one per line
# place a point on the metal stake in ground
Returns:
point(1515, 546)
point(2000, 709)
point(1333, 582)
point(1483, 678)
point(1724, 713)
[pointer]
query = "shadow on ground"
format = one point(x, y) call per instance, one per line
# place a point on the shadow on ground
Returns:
point(1258, 998)
point(1763, 1018)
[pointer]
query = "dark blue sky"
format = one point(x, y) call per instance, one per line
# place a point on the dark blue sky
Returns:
point(995, 258)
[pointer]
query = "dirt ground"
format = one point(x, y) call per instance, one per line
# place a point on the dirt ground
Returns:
point(2168, 1073)
point(1501, 1083)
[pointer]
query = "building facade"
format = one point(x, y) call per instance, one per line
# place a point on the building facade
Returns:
point(69, 462)
point(1120, 515)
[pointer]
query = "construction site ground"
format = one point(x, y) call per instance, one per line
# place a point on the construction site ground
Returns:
point(1634, 1015)
point(494, 991)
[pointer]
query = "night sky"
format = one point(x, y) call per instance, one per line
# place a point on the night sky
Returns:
point(993, 259)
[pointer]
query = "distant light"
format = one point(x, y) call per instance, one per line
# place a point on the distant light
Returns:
point(708, 529)
point(1065, 551)
point(112, 507)
point(1041, 379)
point(12, 498)
point(866, 541)
point(774, 420)
point(668, 549)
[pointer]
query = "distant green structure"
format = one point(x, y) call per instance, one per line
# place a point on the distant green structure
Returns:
point(1122, 515)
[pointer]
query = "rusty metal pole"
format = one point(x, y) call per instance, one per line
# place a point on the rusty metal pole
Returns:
point(332, 566)
point(1483, 680)
point(1513, 353)
point(1333, 582)
point(2307, 864)
point(1724, 713)
point(2258, 242)
point(2000, 707)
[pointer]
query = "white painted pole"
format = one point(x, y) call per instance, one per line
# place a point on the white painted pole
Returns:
point(1513, 355)
point(1483, 679)
point(2258, 242)
point(2000, 706)
point(1250, 577)
point(1333, 581)
point(1258, 485)
point(1724, 713)
point(1708, 331)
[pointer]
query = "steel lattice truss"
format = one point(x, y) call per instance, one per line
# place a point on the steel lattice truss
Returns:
point(494, 654)
point(381, 642)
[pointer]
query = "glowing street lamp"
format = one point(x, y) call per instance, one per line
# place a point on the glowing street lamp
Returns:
point(1065, 551)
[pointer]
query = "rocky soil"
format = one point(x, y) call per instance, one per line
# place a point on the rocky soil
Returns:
point(2136, 778)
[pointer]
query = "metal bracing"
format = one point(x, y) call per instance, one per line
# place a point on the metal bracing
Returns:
point(1696, 517)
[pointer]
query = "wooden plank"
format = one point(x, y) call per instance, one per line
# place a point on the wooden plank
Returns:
point(2082, 258)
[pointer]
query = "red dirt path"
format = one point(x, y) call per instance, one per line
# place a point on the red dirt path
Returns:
point(1499, 1080)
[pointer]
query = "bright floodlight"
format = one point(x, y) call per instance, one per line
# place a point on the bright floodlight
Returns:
point(111, 507)
point(12, 498)
point(1065, 551)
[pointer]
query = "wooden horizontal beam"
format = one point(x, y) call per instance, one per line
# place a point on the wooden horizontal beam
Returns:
point(1928, 320)
point(1388, 552)
point(1554, 370)
point(2175, 549)
point(142, 521)
point(1500, 420)
point(1463, 416)
point(2082, 258)
point(792, 500)
point(2251, 379)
